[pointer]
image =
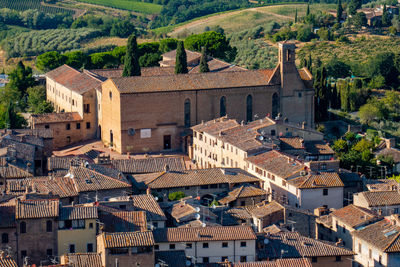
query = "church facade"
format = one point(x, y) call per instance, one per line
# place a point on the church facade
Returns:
point(154, 113)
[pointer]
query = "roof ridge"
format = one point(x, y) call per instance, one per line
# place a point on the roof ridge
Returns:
point(155, 178)
point(107, 176)
point(391, 243)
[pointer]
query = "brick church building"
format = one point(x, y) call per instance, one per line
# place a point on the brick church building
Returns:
point(154, 112)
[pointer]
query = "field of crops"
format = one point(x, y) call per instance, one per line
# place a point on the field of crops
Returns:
point(34, 43)
point(32, 4)
point(142, 7)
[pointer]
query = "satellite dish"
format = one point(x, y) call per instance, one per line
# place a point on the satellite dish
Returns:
point(156, 198)
point(197, 216)
point(213, 206)
point(261, 138)
point(203, 225)
point(266, 241)
point(131, 131)
point(188, 263)
point(197, 209)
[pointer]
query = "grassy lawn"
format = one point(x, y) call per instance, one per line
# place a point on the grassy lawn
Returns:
point(146, 8)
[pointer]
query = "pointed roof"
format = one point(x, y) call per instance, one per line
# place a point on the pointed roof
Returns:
point(243, 191)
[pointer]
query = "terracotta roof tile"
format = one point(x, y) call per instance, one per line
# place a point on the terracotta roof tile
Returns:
point(124, 221)
point(303, 262)
point(33, 209)
point(393, 152)
point(149, 165)
point(77, 213)
point(317, 180)
point(10, 171)
point(8, 262)
point(239, 213)
point(183, 82)
point(128, 239)
point(260, 211)
point(148, 204)
point(202, 177)
point(63, 163)
point(353, 215)
point(84, 260)
point(381, 198)
point(243, 192)
point(56, 117)
point(217, 233)
point(382, 185)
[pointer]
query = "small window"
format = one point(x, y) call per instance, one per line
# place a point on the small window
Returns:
point(86, 108)
point(224, 244)
point(49, 252)
point(205, 245)
point(49, 226)
point(4, 238)
point(46, 126)
point(359, 247)
point(156, 247)
point(110, 94)
point(91, 225)
point(72, 248)
point(243, 258)
point(214, 186)
point(242, 203)
point(68, 126)
point(68, 139)
point(89, 247)
point(243, 244)
point(273, 132)
point(370, 253)
point(325, 191)
point(24, 253)
point(78, 125)
point(189, 245)
point(22, 227)
point(224, 258)
point(171, 246)
point(88, 125)
point(299, 94)
point(314, 259)
point(206, 259)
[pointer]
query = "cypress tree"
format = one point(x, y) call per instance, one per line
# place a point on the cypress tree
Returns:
point(339, 12)
point(308, 10)
point(181, 61)
point(309, 63)
point(131, 66)
point(295, 16)
point(203, 61)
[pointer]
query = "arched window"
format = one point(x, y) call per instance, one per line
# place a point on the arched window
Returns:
point(222, 106)
point(187, 112)
point(4, 238)
point(22, 227)
point(49, 226)
point(249, 108)
point(275, 105)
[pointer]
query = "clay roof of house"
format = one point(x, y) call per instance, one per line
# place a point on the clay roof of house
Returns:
point(10, 171)
point(86, 179)
point(353, 215)
point(277, 163)
point(185, 82)
point(7, 216)
point(55, 117)
point(83, 260)
point(8, 262)
point(149, 165)
point(73, 79)
point(148, 204)
point(202, 177)
point(176, 258)
point(291, 143)
point(318, 147)
point(262, 210)
point(184, 211)
point(124, 221)
point(217, 233)
point(127, 239)
point(216, 65)
point(104, 74)
point(78, 213)
point(295, 245)
point(304, 262)
point(214, 127)
point(33, 209)
point(63, 163)
point(317, 180)
point(239, 213)
point(393, 152)
point(383, 235)
point(382, 185)
point(381, 198)
point(243, 192)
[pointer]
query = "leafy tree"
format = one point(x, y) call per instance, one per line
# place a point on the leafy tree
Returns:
point(324, 34)
point(103, 60)
point(149, 60)
point(386, 21)
point(353, 6)
point(383, 64)
point(203, 61)
point(339, 11)
point(377, 82)
point(122, 29)
point(340, 146)
point(337, 68)
point(359, 20)
point(167, 45)
point(37, 103)
point(305, 34)
point(176, 195)
point(76, 59)
point(392, 101)
point(131, 67)
point(181, 60)
point(50, 60)
point(21, 78)
point(369, 113)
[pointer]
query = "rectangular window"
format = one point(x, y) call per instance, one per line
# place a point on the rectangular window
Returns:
point(24, 253)
point(243, 258)
point(72, 248)
point(89, 247)
point(338, 258)
point(325, 191)
point(205, 245)
point(370, 253)
point(88, 125)
point(224, 258)
point(49, 252)
point(189, 245)
point(156, 247)
point(243, 244)
point(206, 259)
point(78, 125)
point(68, 126)
point(86, 108)
point(46, 126)
point(214, 186)
point(359, 247)
point(171, 246)
point(314, 259)
point(224, 244)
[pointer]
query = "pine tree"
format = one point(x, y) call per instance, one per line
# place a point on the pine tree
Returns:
point(181, 61)
point(308, 10)
point(131, 66)
point(203, 61)
point(339, 12)
point(295, 16)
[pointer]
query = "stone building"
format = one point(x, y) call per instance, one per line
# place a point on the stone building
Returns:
point(382, 202)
